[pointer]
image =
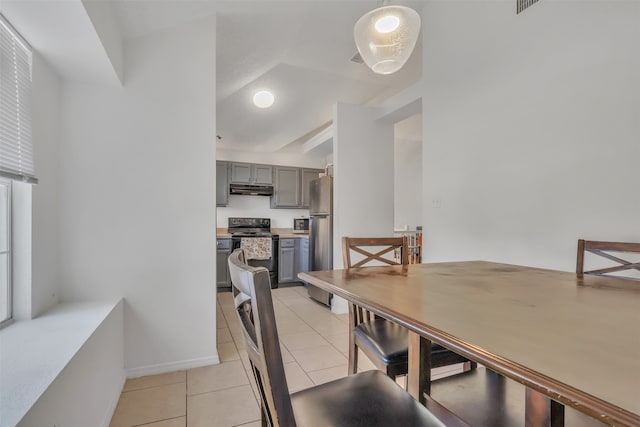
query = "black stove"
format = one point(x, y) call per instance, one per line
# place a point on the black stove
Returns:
point(249, 228)
point(251, 233)
point(249, 225)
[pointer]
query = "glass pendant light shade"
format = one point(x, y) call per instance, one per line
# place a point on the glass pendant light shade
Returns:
point(386, 36)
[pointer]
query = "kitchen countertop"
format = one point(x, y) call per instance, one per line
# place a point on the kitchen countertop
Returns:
point(222, 233)
point(283, 233)
point(293, 235)
point(287, 233)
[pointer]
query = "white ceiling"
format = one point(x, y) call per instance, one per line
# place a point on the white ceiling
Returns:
point(299, 49)
point(142, 17)
point(61, 32)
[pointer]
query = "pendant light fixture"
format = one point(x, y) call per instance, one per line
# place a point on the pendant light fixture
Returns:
point(386, 36)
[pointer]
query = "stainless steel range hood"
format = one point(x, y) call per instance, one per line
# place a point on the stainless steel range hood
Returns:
point(251, 190)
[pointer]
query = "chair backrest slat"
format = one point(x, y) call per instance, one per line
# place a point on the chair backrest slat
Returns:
point(602, 249)
point(254, 307)
point(382, 246)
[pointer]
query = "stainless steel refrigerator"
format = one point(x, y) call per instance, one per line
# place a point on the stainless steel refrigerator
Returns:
point(320, 232)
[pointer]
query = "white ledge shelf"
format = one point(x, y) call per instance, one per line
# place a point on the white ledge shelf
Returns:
point(34, 352)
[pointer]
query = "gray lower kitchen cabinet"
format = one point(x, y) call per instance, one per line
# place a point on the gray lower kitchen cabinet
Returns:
point(293, 258)
point(249, 173)
point(286, 188)
point(222, 183)
point(302, 255)
point(223, 249)
point(287, 261)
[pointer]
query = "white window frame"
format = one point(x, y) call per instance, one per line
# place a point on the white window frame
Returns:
point(16, 144)
point(8, 250)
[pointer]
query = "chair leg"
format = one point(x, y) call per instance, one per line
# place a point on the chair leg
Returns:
point(390, 373)
point(353, 348)
point(353, 357)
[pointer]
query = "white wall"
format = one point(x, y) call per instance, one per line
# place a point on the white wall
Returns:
point(258, 207)
point(363, 179)
point(407, 183)
point(304, 160)
point(531, 127)
point(45, 236)
point(106, 26)
point(137, 191)
point(363, 176)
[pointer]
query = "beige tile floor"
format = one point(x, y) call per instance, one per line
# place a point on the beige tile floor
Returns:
point(314, 345)
point(314, 349)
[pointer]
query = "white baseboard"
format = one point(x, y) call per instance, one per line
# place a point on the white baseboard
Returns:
point(111, 409)
point(161, 368)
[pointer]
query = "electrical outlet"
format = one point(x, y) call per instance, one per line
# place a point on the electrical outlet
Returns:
point(436, 202)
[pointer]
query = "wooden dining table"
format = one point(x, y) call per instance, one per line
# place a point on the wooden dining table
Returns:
point(569, 340)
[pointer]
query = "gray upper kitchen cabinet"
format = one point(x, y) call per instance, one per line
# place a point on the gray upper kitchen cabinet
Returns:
point(249, 173)
point(222, 183)
point(307, 175)
point(286, 187)
point(286, 261)
point(291, 186)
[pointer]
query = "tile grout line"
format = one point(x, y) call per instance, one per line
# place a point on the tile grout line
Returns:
point(159, 421)
point(306, 373)
point(220, 389)
point(186, 398)
point(250, 422)
point(316, 331)
point(240, 360)
point(298, 318)
point(155, 386)
point(319, 333)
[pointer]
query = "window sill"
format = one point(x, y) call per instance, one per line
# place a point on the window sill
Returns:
point(34, 352)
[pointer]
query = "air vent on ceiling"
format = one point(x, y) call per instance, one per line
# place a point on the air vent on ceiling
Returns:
point(357, 58)
point(523, 4)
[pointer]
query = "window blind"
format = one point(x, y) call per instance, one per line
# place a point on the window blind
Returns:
point(16, 147)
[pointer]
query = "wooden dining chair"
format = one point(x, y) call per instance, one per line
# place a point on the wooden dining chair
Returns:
point(607, 250)
point(382, 341)
point(367, 399)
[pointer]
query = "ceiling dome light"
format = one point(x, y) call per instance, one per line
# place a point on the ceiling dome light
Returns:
point(386, 36)
point(263, 99)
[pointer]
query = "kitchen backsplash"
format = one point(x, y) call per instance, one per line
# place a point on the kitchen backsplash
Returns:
point(257, 207)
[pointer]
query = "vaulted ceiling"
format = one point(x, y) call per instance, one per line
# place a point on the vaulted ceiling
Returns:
point(301, 50)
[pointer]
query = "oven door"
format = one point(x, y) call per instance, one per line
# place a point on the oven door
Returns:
point(270, 264)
